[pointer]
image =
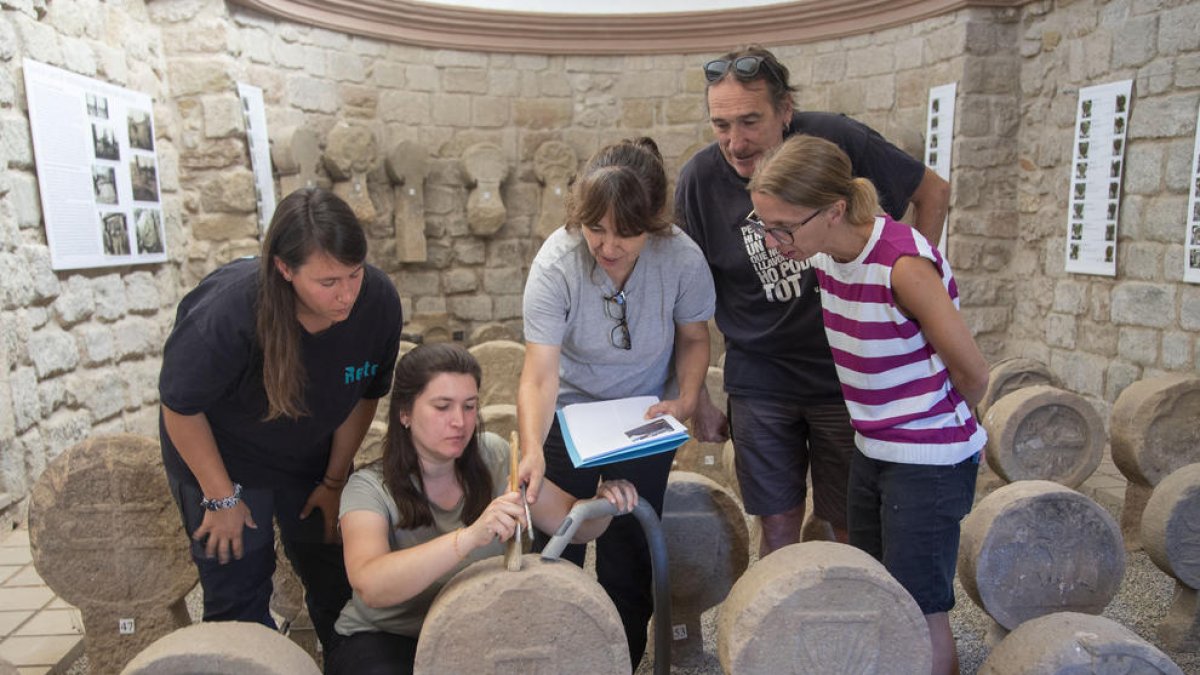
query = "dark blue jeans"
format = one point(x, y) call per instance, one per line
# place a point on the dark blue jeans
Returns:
point(622, 555)
point(240, 590)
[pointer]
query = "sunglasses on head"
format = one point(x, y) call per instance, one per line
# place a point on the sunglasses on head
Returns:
point(744, 67)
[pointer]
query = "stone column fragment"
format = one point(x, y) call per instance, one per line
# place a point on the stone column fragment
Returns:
point(550, 617)
point(707, 459)
point(1153, 431)
point(407, 166)
point(707, 549)
point(1034, 547)
point(350, 154)
point(554, 165)
point(821, 607)
point(220, 647)
point(1171, 535)
point(105, 536)
point(1044, 433)
point(1009, 375)
point(501, 362)
point(1064, 643)
point(485, 169)
point(296, 153)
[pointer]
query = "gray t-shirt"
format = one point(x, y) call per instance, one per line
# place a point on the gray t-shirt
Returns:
point(565, 306)
point(366, 491)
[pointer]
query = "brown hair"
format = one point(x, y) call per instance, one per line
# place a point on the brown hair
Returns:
point(810, 171)
point(628, 179)
point(306, 221)
point(770, 71)
point(401, 466)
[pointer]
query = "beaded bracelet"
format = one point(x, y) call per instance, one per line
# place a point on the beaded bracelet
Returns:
point(224, 502)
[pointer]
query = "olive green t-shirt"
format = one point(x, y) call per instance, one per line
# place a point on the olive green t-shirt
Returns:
point(366, 491)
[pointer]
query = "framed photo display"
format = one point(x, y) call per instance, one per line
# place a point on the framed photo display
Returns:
point(939, 138)
point(1191, 252)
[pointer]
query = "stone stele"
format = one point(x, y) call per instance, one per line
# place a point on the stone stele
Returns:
point(499, 418)
point(501, 362)
point(554, 165)
point(493, 331)
point(350, 154)
point(821, 607)
point(296, 153)
point(221, 647)
point(707, 550)
point(1009, 375)
point(1070, 643)
point(1171, 535)
point(106, 537)
point(485, 169)
point(549, 617)
point(1044, 433)
point(407, 167)
point(1034, 547)
point(705, 458)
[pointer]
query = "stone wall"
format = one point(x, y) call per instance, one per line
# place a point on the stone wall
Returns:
point(79, 350)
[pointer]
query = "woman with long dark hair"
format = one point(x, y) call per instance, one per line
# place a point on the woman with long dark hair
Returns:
point(437, 501)
point(269, 381)
point(616, 305)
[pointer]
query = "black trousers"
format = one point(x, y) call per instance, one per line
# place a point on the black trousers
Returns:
point(623, 565)
point(240, 590)
point(373, 654)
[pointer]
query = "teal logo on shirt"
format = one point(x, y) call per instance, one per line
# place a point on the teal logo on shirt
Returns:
point(357, 373)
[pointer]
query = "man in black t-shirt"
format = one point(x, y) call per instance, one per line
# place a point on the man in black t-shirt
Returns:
point(786, 410)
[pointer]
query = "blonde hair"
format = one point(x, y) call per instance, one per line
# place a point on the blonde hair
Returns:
point(812, 172)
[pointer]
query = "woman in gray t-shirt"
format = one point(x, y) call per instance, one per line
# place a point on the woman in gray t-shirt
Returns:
point(436, 502)
point(616, 305)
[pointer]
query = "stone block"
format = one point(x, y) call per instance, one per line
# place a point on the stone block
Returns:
point(542, 113)
point(1033, 547)
point(471, 308)
point(452, 109)
point(102, 510)
point(821, 607)
point(1118, 376)
point(141, 292)
point(25, 198)
point(1044, 433)
point(53, 351)
point(1164, 116)
point(312, 95)
point(708, 550)
point(222, 647)
point(15, 142)
point(1138, 37)
point(101, 392)
point(1168, 534)
point(195, 76)
point(489, 111)
point(26, 412)
point(459, 281)
point(499, 418)
point(136, 336)
point(1143, 304)
point(1068, 642)
point(501, 362)
point(1138, 345)
point(510, 281)
point(568, 623)
point(1153, 427)
point(465, 80)
point(223, 226)
point(222, 116)
point(231, 191)
point(1176, 351)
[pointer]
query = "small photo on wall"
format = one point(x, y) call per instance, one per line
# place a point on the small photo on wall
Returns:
point(104, 184)
point(114, 232)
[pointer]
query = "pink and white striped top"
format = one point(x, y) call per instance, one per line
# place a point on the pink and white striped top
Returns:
point(902, 404)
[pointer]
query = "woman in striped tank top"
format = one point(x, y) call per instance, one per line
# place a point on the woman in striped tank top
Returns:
point(910, 370)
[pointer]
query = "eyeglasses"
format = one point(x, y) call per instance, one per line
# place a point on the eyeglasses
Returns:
point(783, 235)
point(744, 68)
point(614, 308)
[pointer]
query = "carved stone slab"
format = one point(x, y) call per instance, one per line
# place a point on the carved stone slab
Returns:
point(821, 607)
point(1034, 547)
point(554, 164)
point(220, 647)
point(106, 537)
point(501, 362)
point(499, 418)
point(1009, 375)
point(486, 169)
point(407, 166)
point(707, 549)
point(296, 153)
point(707, 459)
point(1070, 643)
point(550, 617)
point(350, 154)
point(1044, 433)
point(1171, 525)
point(1154, 427)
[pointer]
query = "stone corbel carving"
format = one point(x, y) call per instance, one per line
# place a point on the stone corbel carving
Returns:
point(350, 154)
point(485, 169)
point(407, 166)
point(554, 165)
point(296, 153)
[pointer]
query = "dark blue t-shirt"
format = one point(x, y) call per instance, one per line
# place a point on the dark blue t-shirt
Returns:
point(767, 306)
point(212, 364)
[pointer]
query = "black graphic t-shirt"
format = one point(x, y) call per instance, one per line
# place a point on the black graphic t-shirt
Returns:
point(212, 364)
point(767, 306)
